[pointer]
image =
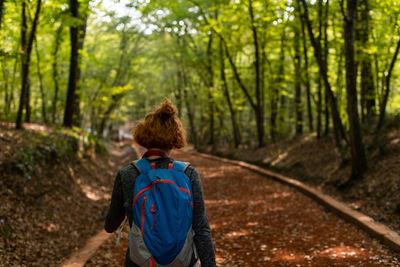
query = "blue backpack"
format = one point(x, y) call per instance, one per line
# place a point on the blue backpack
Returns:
point(161, 232)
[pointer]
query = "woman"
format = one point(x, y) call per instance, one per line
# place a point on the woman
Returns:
point(160, 132)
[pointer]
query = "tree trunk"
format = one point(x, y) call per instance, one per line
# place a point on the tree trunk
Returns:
point(382, 109)
point(1, 11)
point(235, 128)
point(57, 42)
point(337, 122)
point(358, 159)
point(275, 90)
point(307, 76)
point(6, 85)
point(70, 114)
point(297, 67)
point(178, 93)
point(210, 86)
point(43, 97)
point(326, 55)
point(260, 108)
point(190, 114)
point(367, 78)
point(26, 50)
point(12, 86)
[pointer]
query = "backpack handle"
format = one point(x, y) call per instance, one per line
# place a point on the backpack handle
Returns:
point(144, 165)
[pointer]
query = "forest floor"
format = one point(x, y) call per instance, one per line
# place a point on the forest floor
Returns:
point(256, 221)
point(317, 163)
point(54, 190)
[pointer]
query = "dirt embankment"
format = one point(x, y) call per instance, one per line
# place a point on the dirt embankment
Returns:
point(317, 163)
point(55, 184)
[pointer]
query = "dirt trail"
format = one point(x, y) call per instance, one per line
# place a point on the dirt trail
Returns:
point(256, 221)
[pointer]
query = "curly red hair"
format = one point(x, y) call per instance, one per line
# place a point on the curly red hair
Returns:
point(161, 128)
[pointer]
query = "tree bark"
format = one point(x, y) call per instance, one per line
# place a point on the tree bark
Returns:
point(71, 113)
point(275, 89)
point(210, 86)
point(57, 42)
point(26, 50)
point(41, 86)
point(297, 66)
point(190, 113)
point(367, 78)
point(382, 109)
point(12, 86)
point(326, 55)
point(232, 111)
point(6, 93)
point(260, 108)
point(1, 11)
point(358, 159)
point(307, 76)
point(337, 122)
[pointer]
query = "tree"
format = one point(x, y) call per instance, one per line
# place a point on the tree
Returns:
point(367, 77)
point(358, 159)
point(26, 50)
point(77, 37)
point(337, 121)
point(297, 66)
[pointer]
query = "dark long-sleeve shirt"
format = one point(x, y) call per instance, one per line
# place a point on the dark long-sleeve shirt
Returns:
point(122, 200)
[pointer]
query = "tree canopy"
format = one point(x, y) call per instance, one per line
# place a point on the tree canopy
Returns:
point(242, 73)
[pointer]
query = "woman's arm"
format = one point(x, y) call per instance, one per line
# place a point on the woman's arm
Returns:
point(200, 225)
point(116, 213)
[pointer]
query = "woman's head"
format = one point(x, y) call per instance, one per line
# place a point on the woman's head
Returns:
point(161, 128)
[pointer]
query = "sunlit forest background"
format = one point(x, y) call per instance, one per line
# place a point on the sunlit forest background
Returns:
point(242, 73)
point(306, 88)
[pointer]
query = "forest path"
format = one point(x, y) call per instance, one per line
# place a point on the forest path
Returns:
point(260, 222)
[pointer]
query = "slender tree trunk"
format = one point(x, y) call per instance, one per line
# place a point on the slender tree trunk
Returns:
point(275, 90)
point(385, 98)
point(337, 122)
point(235, 128)
point(260, 109)
point(6, 85)
point(367, 78)
point(70, 113)
point(11, 95)
point(307, 76)
point(297, 66)
point(319, 107)
point(326, 56)
point(22, 99)
point(57, 41)
point(339, 80)
point(190, 113)
point(115, 99)
point(43, 97)
point(178, 93)
point(26, 50)
point(1, 11)
point(358, 159)
point(210, 86)
point(81, 42)
point(319, 93)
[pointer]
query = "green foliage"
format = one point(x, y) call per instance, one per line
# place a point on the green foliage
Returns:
point(143, 51)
